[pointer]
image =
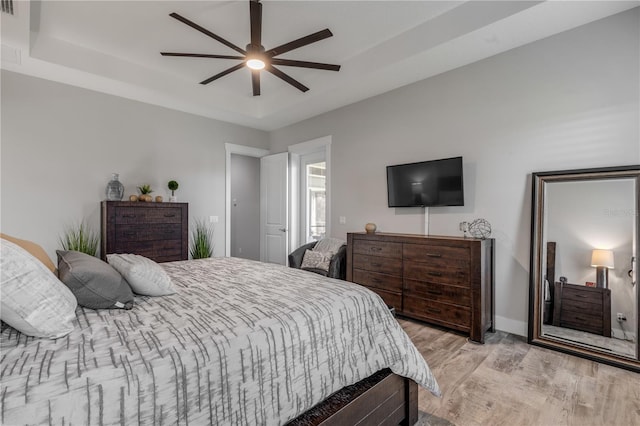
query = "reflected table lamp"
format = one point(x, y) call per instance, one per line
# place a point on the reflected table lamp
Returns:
point(602, 260)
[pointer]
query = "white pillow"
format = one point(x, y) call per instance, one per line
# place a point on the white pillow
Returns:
point(144, 275)
point(32, 299)
point(315, 260)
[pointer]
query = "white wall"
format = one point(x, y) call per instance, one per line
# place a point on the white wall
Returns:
point(60, 145)
point(568, 101)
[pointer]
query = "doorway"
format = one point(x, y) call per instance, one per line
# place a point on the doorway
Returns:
point(238, 158)
point(245, 207)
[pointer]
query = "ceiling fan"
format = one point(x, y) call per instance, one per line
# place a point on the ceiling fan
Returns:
point(255, 56)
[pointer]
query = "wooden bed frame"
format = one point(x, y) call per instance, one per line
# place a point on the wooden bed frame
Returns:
point(383, 399)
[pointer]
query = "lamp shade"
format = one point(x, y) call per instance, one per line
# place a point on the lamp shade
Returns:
point(602, 258)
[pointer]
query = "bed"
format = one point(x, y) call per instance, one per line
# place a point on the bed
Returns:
point(240, 342)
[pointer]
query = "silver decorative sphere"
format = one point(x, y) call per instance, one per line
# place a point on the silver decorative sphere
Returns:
point(480, 228)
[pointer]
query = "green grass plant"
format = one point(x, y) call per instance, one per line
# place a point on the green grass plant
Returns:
point(201, 240)
point(80, 238)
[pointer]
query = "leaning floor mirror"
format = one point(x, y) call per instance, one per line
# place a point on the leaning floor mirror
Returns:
point(584, 295)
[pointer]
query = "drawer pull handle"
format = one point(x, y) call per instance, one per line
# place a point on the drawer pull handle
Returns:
point(375, 280)
point(435, 274)
point(434, 255)
point(170, 215)
point(376, 248)
point(130, 216)
point(376, 265)
point(435, 292)
point(434, 311)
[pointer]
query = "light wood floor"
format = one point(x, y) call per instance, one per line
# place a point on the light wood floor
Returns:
point(508, 382)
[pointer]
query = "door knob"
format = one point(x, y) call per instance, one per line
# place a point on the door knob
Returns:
point(283, 229)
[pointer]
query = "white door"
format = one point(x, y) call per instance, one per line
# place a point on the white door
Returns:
point(274, 173)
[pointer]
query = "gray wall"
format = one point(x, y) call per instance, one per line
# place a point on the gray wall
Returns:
point(245, 207)
point(60, 145)
point(568, 101)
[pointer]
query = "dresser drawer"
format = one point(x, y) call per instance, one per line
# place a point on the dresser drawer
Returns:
point(151, 249)
point(438, 292)
point(384, 265)
point(578, 305)
point(377, 280)
point(136, 215)
point(442, 313)
point(438, 256)
point(391, 299)
point(582, 321)
point(147, 232)
point(436, 273)
point(582, 295)
point(378, 248)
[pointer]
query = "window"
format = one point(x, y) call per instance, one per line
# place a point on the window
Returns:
point(315, 178)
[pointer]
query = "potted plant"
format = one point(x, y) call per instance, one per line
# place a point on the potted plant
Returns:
point(201, 240)
point(145, 193)
point(80, 238)
point(173, 186)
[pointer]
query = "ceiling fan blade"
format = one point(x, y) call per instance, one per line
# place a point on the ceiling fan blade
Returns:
point(255, 10)
point(201, 55)
point(273, 70)
point(223, 73)
point(295, 44)
point(305, 64)
point(255, 82)
point(207, 32)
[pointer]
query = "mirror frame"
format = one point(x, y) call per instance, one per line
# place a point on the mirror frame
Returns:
point(535, 336)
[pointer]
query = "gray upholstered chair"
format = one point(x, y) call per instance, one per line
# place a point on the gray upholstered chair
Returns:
point(337, 266)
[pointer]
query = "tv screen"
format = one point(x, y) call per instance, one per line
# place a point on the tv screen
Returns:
point(426, 184)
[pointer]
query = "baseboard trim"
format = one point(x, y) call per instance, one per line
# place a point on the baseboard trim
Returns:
point(511, 326)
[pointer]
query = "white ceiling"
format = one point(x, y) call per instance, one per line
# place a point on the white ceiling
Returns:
point(113, 47)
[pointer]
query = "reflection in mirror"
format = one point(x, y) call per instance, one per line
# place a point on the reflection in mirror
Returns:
point(584, 297)
point(592, 225)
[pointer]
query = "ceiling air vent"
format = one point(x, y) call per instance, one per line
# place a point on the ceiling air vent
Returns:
point(7, 6)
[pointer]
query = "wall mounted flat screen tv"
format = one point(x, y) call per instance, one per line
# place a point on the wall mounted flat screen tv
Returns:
point(426, 184)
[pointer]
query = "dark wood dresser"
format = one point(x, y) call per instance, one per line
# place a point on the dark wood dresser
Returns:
point(582, 308)
point(442, 280)
point(159, 231)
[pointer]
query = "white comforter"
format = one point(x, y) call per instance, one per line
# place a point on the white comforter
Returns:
point(241, 342)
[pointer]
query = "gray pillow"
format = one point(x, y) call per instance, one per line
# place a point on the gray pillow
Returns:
point(95, 283)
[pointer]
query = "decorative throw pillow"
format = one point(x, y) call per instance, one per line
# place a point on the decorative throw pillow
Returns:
point(315, 260)
point(95, 283)
point(330, 246)
point(32, 299)
point(143, 275)
point(34, 250)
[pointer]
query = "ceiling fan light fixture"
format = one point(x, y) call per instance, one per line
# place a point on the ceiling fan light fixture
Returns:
point(254, 56)
point(255, 64)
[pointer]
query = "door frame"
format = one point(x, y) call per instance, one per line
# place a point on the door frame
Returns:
point(248, 151)
point(295, 151)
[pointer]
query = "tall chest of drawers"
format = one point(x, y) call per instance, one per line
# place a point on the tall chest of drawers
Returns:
point(159, 231)
point(446, 281)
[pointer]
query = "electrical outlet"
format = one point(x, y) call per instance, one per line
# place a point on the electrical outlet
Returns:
point(621, 317)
